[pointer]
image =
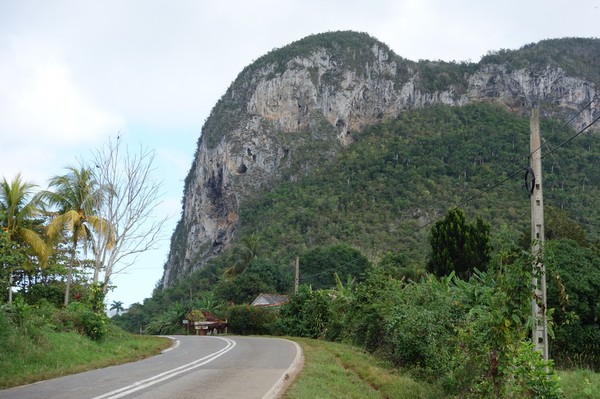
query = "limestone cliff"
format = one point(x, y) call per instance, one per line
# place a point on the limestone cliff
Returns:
point(300, 104)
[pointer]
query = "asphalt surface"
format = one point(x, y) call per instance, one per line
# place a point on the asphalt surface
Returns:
point(194, 367)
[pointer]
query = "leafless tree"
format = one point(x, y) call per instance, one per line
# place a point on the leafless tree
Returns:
point(132, 198)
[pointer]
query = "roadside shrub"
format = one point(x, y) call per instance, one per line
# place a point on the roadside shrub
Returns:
point(529, 376)
point(373, 303)
point(29, 321)
point(53, 293)
point(251, 320)
point(80, 318)
point(573, 286)
point(577, 346)
point(307, 314)
point(19, 311)
point(420, 332)
point(7, 330)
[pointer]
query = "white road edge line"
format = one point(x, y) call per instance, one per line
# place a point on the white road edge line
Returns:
point(136, 386)
point(175, 344)
point(276, 389)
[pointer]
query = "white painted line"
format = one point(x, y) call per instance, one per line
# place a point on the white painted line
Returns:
point(139, 385)
point(276, 389)
point(175, 344)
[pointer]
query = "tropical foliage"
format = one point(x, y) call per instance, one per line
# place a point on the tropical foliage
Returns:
point(77, 197)
point(359, 223)
point(21, 240)
point(458, 246)
point(46, 238)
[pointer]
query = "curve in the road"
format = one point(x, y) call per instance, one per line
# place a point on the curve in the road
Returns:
point(288, 376)
point(139, 385)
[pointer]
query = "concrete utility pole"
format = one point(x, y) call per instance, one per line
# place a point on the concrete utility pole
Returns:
point(297, 276)
point(538, 302)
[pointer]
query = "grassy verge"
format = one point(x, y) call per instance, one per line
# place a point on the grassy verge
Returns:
point(334, 370)
point(54, 354)
point(580, 384)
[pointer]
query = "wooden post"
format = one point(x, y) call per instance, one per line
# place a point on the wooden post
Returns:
point(538, 303)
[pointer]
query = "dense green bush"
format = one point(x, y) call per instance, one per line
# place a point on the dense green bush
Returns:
point(420, 331)
point(53, 293)
point(79, 317)
point(251, 320)
point(529, 376)
point(320, 265)
point(7, 330)
point(573, 287)
point(576, 346)
point(307, 314)
point(373, 302)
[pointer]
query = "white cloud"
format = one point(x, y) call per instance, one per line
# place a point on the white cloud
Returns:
point(74, 72)
point(43, 114)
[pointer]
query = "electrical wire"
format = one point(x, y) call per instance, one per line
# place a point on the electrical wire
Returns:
point(524, 168)
point(567, 123)
point(571, 138)
point(464, 202)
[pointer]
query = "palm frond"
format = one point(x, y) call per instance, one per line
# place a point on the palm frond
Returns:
point(40, 248)
point(70, 220)
point(103, 227)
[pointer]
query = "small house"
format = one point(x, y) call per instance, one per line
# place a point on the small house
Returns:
point(270, 300)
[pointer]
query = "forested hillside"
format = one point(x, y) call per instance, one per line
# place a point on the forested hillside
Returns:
point(381, 194)
point(360, 226)
point(303, 104)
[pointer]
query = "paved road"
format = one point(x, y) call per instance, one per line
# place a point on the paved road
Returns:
point(195, 367)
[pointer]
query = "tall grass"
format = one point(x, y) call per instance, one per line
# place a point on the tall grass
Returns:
point(333, 370)
point(580, 384)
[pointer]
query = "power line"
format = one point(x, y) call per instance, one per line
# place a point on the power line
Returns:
point(571, 138)
point(567, 123)
point(524, 168)
point(477, 195)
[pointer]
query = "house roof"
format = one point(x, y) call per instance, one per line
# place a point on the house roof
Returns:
point(270, 300)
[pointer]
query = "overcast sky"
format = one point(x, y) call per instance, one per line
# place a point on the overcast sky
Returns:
point(73, 73)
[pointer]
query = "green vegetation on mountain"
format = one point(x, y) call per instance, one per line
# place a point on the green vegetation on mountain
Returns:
point(365, 222)
point(374, 204)
point(577, 56)
point(381, 194)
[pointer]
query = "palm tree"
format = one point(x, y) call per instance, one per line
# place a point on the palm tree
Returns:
point(18, 208)
point(242, 256)
point(77, 197)
point(118, 306)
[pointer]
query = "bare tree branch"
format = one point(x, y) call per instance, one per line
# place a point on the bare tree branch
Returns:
point(132, 198)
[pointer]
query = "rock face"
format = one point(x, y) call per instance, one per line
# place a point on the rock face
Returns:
point(302, 103)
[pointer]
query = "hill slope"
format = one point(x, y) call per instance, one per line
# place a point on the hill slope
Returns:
point(299, 106)
point(380, 193)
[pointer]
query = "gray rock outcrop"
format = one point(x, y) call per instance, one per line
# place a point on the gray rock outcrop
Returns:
point(299, 104)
